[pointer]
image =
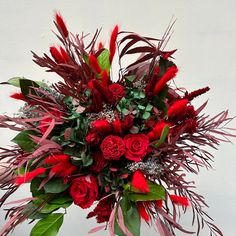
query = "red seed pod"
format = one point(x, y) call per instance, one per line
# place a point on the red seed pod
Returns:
point(177, 107)
point(61, 24)
point(112, 46)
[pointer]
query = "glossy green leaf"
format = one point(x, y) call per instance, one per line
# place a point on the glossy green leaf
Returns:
point(104, 61)
point(48, 226)
point(164, 134)
point(24, 141)
point(34, 187)
point(157, 192)
point(27, 86)
point(55, 186)
point(131, 218)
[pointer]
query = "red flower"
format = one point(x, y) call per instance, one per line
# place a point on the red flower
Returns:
point(117, 91)
point(94, 64)
point(139, 182)
point(61, 165)
point(84, 191)
point(112, 46)
point(177, 107)
point(169, 74)
point(102, 126)
point(136, 146)
point(64, 54)
point(142, 211)
point(18, 96)
point(56, 55)
point(112, 147)
point(103, 210)
point(29, 176)
point(179, 200)
point(61, 24)
point(99, 162)
point(117, 126)
point(157, 130)
point(93, 138)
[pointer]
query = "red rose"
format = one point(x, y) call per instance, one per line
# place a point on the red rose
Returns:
point(136, 146)
point(112, 147)
point(117, 91)
point(102, 126)
point(93, 138)
point(99, 162)
point(84, 191)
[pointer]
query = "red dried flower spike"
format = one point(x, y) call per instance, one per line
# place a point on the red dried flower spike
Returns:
point(94, 64)
point(29, 175)
point(64, 55)
point(56, 54)
point(105, 78)
point(143, 212)
point(177, 107)
point(61, 24)
point(18, 96)
point(157, 130)
point(54, 159)
point(169, 74)
point(139, 182)
point(179, 200)
point(112, 46)
point(196, 93)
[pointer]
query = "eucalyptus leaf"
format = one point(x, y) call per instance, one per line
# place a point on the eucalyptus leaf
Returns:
point(146, 115)
point(48, 226)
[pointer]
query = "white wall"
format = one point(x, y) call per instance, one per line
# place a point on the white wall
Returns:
point(205, 35)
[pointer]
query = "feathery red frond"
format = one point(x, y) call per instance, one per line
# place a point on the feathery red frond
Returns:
point(143, 212)
point(177, 107)
point(112, 46)
point(139, 182)
point(94, 64)
point(61, 24)
point(179, 200)
point(18, 96)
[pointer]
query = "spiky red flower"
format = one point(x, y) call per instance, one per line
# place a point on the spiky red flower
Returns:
point(177, 107)
point(179, 200)
point(112, 46)
point(169, 74)
point(18, 96)
point(94, 64)
point(28, 176)
point(61, 24)
point(143, 212)
point(56, 54)
point(139, 182)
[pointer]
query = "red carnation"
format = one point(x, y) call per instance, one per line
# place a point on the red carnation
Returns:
point(117, 91)
point(84, 191)
point(99, 162)
point(112, 147)
point(136, 146)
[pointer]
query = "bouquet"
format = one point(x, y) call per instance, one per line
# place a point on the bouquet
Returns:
point(122, 143)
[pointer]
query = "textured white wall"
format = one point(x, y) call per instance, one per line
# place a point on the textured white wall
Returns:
point(205, 35)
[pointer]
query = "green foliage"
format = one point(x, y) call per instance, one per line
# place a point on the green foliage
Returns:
point(24, 141)
point(104, 61)
point(34, 187)
point(48, 226)
point(55, 185)
point(164, 134)
point(157, 192)
point(131, 218)
point(15, 81)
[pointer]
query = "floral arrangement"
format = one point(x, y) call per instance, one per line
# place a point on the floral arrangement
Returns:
point(123, 146)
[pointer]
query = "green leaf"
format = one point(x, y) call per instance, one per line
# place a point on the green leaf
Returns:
point(164, 134)
point(140, 107)
point(148, 107)
point(104, 61)
point(55, 186)
point(48, 208)
point(24, 140)
point(157, 192)
point(15, 81)
point(34, 187)
point(160, 104)
point(48, 226)
point(86, 159)
point(131, 218)
point(164, 64)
